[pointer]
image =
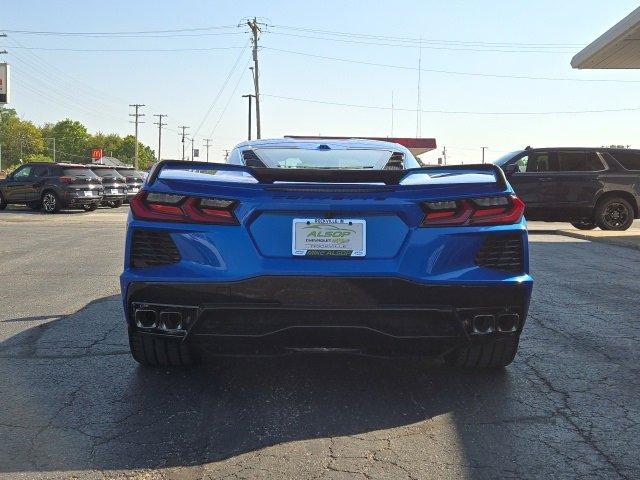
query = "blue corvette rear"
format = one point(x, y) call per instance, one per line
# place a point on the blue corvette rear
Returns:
point(361, 253)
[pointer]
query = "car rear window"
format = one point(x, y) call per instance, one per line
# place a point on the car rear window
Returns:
point(579, 161)
point(77, 172)
point(107, 172)
point(629, 160)
point(334, 159)
point(127, 172)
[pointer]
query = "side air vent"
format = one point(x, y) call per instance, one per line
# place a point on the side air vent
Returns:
point(150, 248)
point(252, 160)
point(502, 252)
point(396, 162)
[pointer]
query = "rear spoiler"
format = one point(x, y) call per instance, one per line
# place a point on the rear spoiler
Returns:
point(313, 175)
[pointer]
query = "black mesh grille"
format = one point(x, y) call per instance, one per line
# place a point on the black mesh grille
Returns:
point(252, 160)
point(150, 248)
point(502, 252)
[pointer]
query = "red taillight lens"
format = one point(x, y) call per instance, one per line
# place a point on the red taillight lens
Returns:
point(181, 208)
point(65, 179)
point(476, 211)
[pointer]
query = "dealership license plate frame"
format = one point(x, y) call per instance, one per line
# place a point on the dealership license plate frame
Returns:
point(114, 191)
point(88, 193)
point(341, 230)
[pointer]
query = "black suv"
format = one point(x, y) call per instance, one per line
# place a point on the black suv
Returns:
point(589, 187)
point(115, 185)
point(134, 179)
point(52, 186)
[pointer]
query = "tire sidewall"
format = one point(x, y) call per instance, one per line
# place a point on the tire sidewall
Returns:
point(3, 204)
point(601, 208)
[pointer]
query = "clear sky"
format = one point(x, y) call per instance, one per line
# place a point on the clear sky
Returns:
point(512, 38)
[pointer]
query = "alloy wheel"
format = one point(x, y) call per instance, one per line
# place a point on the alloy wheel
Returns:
point(615, 215)
point(49, 202)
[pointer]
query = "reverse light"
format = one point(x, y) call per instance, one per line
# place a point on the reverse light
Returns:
point(495, 210)
point(182, 208)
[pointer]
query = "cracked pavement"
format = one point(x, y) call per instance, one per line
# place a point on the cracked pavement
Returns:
point(75, 405)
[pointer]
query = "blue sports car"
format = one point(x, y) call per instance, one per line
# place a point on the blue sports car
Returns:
point(324, 246)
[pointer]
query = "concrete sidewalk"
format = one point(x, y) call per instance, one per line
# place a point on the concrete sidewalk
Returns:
point(629, 238)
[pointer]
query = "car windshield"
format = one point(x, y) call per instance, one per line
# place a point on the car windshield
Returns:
point(506, 157)
point(107, 172)
point(78, 172)
point(334, 159)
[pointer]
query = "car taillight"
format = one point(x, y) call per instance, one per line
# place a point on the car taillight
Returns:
point(496, 210)
point(65, 179)
point(182, 208)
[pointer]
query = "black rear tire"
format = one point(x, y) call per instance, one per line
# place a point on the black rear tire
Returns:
point(35, 205)
point(614, 213)
point(584, 225)
point(3, 204)
point(155, 351)
point(90, 207)
point(115, 203)
point(50, 202)
point(497, 354)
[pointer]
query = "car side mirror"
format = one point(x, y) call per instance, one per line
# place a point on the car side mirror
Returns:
point(510, 169)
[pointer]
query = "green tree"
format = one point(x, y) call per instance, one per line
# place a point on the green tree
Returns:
point(71, 141)
point(20, 138)
point(126, 153)
point(110, 143)
point(38, 157)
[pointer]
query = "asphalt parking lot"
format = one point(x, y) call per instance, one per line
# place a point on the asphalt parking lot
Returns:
point(74, 403)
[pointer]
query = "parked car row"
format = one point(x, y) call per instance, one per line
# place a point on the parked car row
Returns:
point(54, 186)
point(588, 187)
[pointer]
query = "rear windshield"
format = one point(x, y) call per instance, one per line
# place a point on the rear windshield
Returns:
point(127, 172)
point(107, 172)
point(78, 172)
point(629, 160)
point(334, 159)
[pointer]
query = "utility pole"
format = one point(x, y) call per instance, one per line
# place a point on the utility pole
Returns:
point(249, 96)
point(184, 129)
point(160, 125)
point(444, 154)
point(255, 30)
point(207, 140)
point(392, 108)
point(136, 116)
point(192, 157)
point(483, 149)
point(226, 154)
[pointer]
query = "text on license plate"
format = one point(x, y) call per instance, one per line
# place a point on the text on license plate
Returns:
point(329, 237)
point(114, 191)
point(88, 193)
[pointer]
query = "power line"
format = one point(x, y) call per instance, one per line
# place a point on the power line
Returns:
point(127, 32)
point(430, 46)
point(454, 112)
point(230, 98)
point(187, 49)
point(224, 85)
point(414, 39)
point(448, 72)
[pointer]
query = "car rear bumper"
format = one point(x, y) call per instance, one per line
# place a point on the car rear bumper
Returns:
point(73, 199)
point(279, 314)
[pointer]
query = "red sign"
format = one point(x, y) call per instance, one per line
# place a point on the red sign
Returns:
point(96, 153)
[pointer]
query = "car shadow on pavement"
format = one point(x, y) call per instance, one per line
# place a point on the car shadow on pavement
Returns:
point(74, 400)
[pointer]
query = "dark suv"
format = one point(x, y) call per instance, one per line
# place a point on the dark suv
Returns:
point(115, 185)
point(589, 187)
point(134, 179)
point(52, 186)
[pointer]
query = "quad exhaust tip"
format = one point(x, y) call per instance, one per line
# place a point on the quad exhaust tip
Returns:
point(146, 318)
point(483, 324)
point(508, 322)
point(171, 321)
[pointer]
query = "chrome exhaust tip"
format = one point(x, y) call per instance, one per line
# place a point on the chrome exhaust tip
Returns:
point(171, 321)
point(508, 322)
point(483, 324)
point(145, 318)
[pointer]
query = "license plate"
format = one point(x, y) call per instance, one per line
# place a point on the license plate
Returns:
point(133, 190)
point(329, 237)
point(88, 193)
point(114, 191)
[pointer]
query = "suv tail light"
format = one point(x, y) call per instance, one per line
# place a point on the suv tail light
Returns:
point(182, 208)
point(497, 210)
point(65, 179)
